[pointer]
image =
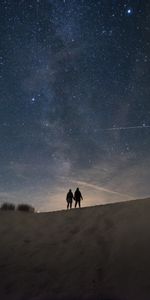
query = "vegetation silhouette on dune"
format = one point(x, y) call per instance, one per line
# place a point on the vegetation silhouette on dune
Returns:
point(99, 252)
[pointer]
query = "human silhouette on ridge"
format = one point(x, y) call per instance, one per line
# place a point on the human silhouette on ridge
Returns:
point(78, 197)
point(69, 199)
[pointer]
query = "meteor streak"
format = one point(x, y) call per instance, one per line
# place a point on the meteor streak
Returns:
point(125, 128)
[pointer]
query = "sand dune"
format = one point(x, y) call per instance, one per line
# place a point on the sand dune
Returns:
point(100, 252)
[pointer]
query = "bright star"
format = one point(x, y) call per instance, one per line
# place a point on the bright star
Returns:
point(33, 99)
point(129, 11)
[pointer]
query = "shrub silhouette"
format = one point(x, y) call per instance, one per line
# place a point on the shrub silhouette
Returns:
point(25, 207)
point(7, 206)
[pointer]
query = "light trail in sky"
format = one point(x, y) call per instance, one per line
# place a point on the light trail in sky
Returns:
point(98, 188)
point(125, 128)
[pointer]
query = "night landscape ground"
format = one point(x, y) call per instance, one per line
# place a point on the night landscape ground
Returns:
point(99, 252)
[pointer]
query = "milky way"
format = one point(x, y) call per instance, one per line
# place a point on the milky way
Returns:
point(75, 107)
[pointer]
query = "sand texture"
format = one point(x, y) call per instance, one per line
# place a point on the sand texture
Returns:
point(100, 252)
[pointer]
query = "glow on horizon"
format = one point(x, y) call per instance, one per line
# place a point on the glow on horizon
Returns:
point(92, 195)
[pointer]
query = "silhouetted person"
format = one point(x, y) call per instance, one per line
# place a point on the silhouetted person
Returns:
point(69, 199)
point(78, 197)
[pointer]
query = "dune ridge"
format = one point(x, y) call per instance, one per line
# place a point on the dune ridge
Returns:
point(99, 252)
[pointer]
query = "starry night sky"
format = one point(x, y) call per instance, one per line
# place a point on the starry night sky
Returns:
point(74, 101)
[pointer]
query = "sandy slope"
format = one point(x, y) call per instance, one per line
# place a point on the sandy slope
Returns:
point(100, 252)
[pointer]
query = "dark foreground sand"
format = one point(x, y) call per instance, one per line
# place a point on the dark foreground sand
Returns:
point(100, 253)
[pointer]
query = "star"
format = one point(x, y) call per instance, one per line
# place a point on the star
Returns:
point(129, 11)
point(33, 99)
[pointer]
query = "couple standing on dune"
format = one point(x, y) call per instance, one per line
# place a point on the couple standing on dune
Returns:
point(77, 197)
